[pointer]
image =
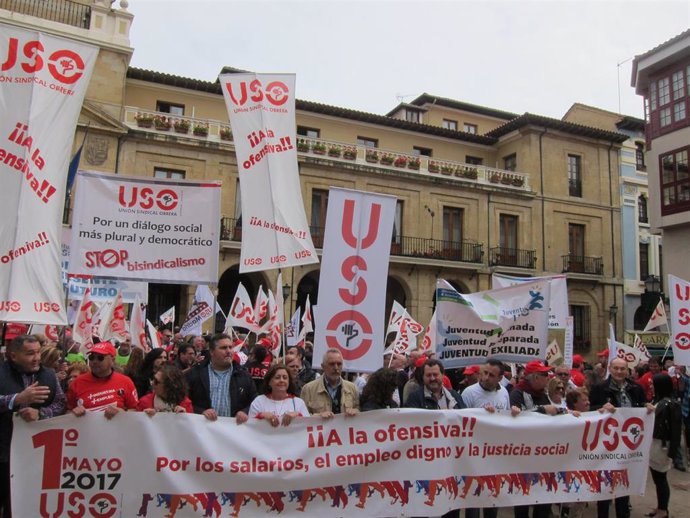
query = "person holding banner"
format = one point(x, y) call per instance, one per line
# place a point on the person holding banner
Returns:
point(29, 390)
point(220, 387)
point(278, 404)
point(432, 395)
point(169, 393)
point(331, 394)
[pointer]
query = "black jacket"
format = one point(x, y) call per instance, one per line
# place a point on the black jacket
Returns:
point(242, 389)
point(11, 383)
point(608, 392)
point(419, 400)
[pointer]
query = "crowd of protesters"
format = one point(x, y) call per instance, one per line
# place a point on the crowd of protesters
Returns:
point(220, 376)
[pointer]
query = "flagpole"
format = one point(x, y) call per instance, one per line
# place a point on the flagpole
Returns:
point(215, 303)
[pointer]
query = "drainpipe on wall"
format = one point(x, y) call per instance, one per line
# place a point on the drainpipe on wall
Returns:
point(543, 203)
point(613, 250)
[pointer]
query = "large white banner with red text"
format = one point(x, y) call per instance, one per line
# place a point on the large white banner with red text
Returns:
point(354, 271)
point(507, 324)
point(43, 80)
point(146, 229)
point(679, 295)
point(384, 463)
point(275, 233)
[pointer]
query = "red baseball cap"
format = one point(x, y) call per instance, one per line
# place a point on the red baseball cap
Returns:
point(536, 366)
point(103, 348)
point(578, 360)
point(604, 353)
point(472, 369)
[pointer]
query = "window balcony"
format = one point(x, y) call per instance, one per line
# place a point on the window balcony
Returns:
point(466, 251)
point(62, 11)
point(582, 264)
point(515, 257)
point(167, 124)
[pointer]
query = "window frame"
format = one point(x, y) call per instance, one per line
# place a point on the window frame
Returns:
point(169, 173)
point(450, 124)
point(677, 184)
point(468, 127)
point(422, 151)
point(167, 107)
point(308, 132)
point(574, 165)
point(510, 162)
point(365, 141)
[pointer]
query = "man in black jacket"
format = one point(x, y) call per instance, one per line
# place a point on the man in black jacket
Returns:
point(433, 395)
point(221, 387)
point(616, 391)
point(31, 391)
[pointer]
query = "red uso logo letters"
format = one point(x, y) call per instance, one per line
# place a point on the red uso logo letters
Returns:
point(610, 434)
point(66, 66)
point(11, 306)
point(109, 258)
point(351, 326)
point(46, 307)
point(276, 92)
point(682, 341)
point(145, 198)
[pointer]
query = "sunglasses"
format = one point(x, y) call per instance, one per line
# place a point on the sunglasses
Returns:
point(99, 357)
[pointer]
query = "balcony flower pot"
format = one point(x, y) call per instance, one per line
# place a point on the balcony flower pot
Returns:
point(144, 120)
point(350, 153)
point(372, 157)
point(225, 134)
point(318, 148)
point(433, 167)
point(470, 174)
point(200, 130)
point(334, 151)
point(413, 163)
point(387, 159)
point(181, 126)
point(400, 161)
point(303, 146)
point(162, 123)
point(447, 170)
point(506, 180)
point(495, 178)
point(518, 181)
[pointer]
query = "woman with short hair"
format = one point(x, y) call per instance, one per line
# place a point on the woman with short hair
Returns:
point(278, 404)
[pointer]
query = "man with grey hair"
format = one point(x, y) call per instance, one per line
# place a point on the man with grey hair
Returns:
point(331, 394)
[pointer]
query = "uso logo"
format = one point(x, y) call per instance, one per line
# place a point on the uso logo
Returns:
point(146, 198)
point(610, 433)
point(66, 66)
point(276, 92)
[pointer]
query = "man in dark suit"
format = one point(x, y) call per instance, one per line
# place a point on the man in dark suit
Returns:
point(220, 386)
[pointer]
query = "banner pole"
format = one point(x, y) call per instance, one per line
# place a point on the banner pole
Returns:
point(215, 303)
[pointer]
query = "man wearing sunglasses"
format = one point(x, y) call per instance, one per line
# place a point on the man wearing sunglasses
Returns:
point(102, 389)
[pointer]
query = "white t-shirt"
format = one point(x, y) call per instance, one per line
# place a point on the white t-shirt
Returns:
point(264, 404)
point(475, 396)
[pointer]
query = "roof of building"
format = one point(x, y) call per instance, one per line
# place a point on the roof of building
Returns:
point(631, 124)
point(515, 121)
point(636, 76)
point(530, 119)
point(459, 105)
point(663, 45)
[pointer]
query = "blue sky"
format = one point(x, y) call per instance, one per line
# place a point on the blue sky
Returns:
point(519, 56)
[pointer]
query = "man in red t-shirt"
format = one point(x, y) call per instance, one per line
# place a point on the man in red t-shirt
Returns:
point(646, 379)
point(102, 389)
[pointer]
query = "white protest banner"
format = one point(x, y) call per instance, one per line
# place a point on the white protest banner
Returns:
point(553, 353)
point(658, 318)
point(153, 335)
point(307, 324)
point(50, 332)
point(44, 79)
point(558, 311)
point(631, 355)
point(82, 330)
point(508, 324)
point(275, 232)
point(384, 463)
point(241, 313)
point(429, 340)
point(406, 334)
point(680, 319)
point(101, 289)
point(639, 344)
point(137, 326)
point(354, 270)
point(395, 318)
point(112, 325)
point(202, 309)
point(150, 229)
point(292, 329)
point(569, 338)
point(167, 316)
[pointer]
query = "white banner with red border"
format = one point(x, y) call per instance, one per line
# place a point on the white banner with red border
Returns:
point(145, 229)
point(275, 233)
point(354, 271)
point(679, 297)
point(42, 85)
point(383, 463)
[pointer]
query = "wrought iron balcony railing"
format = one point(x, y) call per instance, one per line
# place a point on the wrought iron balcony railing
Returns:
point(583, 264)
point(502, 256)
point(464, 251)
point(63, 11)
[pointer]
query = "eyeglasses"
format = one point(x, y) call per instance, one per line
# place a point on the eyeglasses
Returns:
point(99, 357)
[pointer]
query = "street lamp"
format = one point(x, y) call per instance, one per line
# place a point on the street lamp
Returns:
point(613, 311)
point(652, 284)
point(287, 289)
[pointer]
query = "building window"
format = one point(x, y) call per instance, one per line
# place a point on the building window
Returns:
point(678, 111)
point(412, 116)
point(450, 124)
point(644, 261)
point(575, 176)
point(675, 182)
point(452, 226)
point(639, 156)
point(367, 142)
point(171, 174)
point(397, 223)
point(421, 151)
point(642, 216)
point(665, 117)
point(171, 108)
point(581, 328)
point(510, 162)
point(576, 247)
point(319, 207)
point(664, 92)
point(652, 96)
point(508, 239)
point(678, 85)
point(469, 128)
point(303, 131)
point(473, 160)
